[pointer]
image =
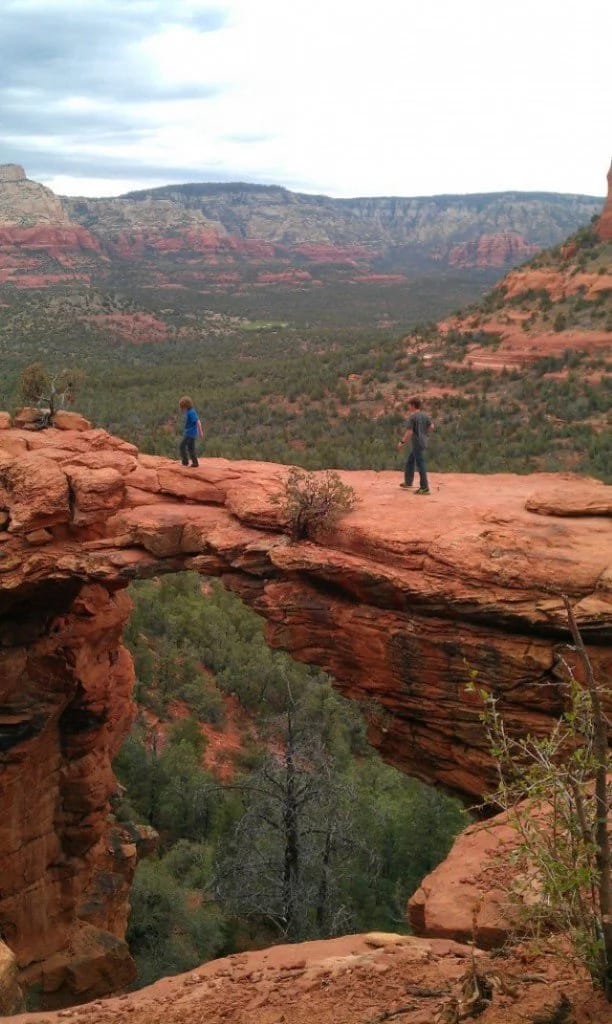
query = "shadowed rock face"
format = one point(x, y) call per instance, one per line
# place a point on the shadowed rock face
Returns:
point(400, 603)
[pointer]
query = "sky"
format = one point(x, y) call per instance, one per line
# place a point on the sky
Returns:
point(339, 97)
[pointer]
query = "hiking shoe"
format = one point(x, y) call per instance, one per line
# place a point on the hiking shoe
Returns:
point(423, 490)
point(194, 465)
point(406, 485)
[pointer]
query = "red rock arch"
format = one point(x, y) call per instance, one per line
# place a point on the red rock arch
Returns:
point(398, 604)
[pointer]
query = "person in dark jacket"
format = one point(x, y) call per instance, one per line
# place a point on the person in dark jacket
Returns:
point(192, 429)
point(418, 426)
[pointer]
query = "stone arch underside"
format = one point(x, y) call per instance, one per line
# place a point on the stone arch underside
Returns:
point(400, 602)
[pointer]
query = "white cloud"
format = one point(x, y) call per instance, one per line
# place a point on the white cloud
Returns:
point(399, 97)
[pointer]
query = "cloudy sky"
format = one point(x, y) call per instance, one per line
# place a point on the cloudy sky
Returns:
point(343, 97)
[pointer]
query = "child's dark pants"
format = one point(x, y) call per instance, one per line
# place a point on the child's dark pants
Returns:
point(416, 457)
point(187, 450)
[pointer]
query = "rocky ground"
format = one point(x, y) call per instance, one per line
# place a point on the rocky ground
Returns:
point(357, 979)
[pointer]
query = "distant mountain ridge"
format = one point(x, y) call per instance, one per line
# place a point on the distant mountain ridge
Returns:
point(165, 263)
point(431, 225)
point(238, 231)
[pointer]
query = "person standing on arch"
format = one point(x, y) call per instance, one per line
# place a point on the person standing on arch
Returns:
point(192, 429)
point(418, 426)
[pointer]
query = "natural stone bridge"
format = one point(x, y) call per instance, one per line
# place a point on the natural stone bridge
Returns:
point(399, 603)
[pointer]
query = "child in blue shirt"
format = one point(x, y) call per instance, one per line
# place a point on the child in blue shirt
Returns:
point(192, 428)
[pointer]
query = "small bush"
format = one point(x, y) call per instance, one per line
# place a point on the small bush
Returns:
point(311, 500)
point(556, 793)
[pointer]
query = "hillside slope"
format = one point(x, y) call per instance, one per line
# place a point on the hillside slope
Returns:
point(523, 377)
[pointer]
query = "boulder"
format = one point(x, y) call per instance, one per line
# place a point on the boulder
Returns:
point(37, 492)
point(96, 493)
point(464, 897)
point(64, 419)
point(28, 418)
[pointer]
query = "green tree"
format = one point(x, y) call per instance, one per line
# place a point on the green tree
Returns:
point(169, 931)
point(556, 792)
point(52, 390)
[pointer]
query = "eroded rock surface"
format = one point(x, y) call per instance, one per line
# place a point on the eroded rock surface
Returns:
point(401, 603)
point(356, 979)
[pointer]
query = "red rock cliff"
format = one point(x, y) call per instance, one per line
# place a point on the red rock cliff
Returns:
point(604, 224)
point(399, 603)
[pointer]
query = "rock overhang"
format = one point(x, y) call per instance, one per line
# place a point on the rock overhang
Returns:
point(480, 565)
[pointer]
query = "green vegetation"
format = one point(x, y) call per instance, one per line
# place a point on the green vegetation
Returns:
point(263, 325)
point(344, 839)
point(48, 391)
point(314, 380)
point(269, 398)
point(267, 366)
point(556, 795)
point(309, 502)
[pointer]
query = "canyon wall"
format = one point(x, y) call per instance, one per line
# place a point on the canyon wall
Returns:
point(402, 602)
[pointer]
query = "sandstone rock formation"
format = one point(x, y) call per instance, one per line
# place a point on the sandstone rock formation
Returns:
point(39, 244)
point(497, 250)
point(559, 302)
point(25, 203)
point(11, 172)
point(275, 214)
point(400, 603)
point(604, 224)
point(356, 979)
point(465, 897)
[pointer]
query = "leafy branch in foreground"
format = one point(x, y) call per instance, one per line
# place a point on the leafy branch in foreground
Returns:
point(557, 795)
point(310, 500)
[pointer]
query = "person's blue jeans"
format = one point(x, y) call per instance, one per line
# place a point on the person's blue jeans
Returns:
point(416, 458)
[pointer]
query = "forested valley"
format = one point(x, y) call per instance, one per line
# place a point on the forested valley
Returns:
point(293, 829)
point(323, 382)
